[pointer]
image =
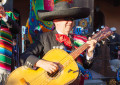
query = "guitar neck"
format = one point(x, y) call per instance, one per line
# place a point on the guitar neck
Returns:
point(78, 51)
point(102, 34)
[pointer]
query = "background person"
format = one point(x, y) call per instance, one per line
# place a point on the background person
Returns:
point(8, 27)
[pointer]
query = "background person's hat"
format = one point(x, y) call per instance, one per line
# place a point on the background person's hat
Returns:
point(62, 10)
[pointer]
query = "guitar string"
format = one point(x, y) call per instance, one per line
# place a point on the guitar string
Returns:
point(48, 81)
point(69, 77)
point(61, 69)
point(70, 63)
point(63, 64)
point(42, 80)
point(58, 61)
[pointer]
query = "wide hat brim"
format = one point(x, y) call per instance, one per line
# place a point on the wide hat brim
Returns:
point(75, 13)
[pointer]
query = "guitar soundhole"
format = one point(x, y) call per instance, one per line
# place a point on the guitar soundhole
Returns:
point(56, 73)
point(53, 74)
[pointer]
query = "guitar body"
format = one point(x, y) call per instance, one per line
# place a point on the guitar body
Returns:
point(68, 71)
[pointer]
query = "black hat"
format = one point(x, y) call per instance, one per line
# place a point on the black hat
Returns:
point(62, 10)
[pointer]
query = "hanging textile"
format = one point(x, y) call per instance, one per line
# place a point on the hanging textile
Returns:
point(82, 26)
point(34, 24)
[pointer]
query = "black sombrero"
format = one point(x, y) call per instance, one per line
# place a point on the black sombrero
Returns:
point(62, 10)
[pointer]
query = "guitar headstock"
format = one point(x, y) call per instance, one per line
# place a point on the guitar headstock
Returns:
point(102, 34)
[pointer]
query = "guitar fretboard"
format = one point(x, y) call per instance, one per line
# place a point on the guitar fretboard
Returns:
point(78, 51)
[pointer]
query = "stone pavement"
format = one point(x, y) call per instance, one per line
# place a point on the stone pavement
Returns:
point(96, 79)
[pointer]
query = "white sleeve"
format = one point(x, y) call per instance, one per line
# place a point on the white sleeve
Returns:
point(89, 57)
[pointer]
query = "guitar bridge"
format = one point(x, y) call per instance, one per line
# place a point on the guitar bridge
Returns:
point(73, 71)
point(24, 82)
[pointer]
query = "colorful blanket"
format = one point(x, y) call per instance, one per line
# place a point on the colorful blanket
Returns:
point(6, 46)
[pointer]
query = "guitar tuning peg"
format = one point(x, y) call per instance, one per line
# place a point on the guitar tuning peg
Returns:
point(108, 39)
point(93, 33)
point(98, 44)
point(102, 26)
point(113, 36)
point(103, 42)
point(97, 30)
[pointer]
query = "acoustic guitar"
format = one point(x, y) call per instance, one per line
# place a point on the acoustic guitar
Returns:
point(68, 69)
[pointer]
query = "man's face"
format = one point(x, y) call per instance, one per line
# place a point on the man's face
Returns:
point(63, 25)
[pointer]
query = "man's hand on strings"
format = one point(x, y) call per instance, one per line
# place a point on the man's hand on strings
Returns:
point(50, 67)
